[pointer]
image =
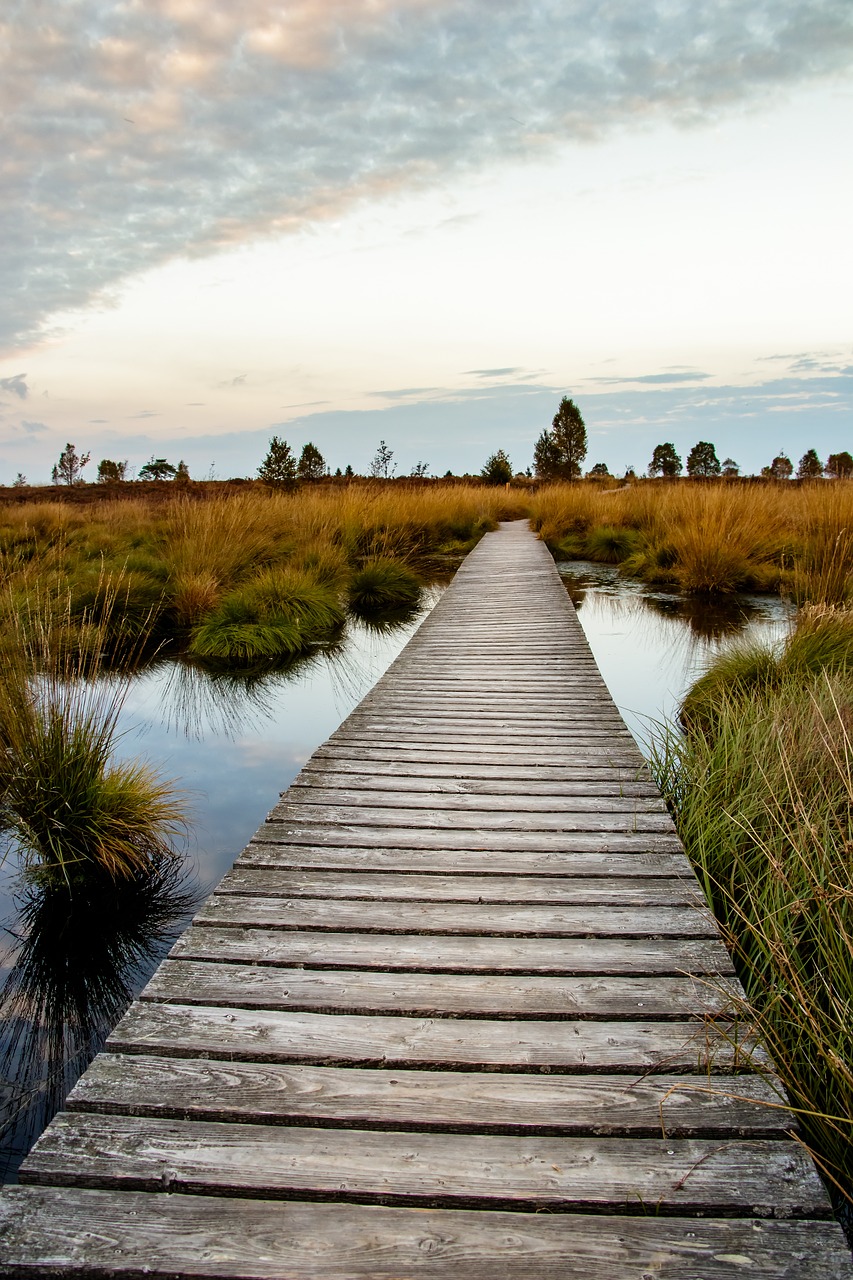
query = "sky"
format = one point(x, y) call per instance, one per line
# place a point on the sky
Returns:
point(423, 222)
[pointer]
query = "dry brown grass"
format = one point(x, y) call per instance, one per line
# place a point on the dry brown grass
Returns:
point(716, 537)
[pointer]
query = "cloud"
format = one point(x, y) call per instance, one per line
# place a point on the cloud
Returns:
point(144, 413)
point(33, 428)
point(492, 373)
point(136, 133)
point(16, 385)
point(406, 393)
point(660, 379)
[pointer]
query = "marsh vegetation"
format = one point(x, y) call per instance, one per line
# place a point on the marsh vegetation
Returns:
point(758, 776)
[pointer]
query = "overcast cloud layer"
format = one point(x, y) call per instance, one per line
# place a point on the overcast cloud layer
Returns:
point(142, 130)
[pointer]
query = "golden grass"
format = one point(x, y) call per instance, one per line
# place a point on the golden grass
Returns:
point(715, 537)
point(176, 563)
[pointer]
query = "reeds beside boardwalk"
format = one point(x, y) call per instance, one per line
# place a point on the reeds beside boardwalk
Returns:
point(761, 788)
point(458, 1009)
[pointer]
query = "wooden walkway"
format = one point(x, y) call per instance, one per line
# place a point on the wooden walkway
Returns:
point(456, 1011)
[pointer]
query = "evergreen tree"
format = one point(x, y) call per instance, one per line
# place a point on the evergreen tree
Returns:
point(312, 464)
point(730, 467)
point(546, 456)
point(599, 471)
point(810, 466)
point(279, 466)
point(702, 460)
point(665, 461)
point(558, 453)
point(497, 469)
point(156, 469)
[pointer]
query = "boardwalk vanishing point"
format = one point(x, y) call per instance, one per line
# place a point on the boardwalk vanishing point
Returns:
point(457, 1011)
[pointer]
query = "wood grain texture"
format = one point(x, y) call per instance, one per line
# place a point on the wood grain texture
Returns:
point(685, 1175)
point(456, 801)
point(375, 886)
point(384, 775)
point(446, 994)
point(449, 954)
point(284, 1035)
point(571, 840)
point(45, 1232)
point(473, 919)
point(267, 850)
point(650, 1106)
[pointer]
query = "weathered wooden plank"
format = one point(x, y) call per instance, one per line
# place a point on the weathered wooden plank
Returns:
point(618, 752)
point(284, 1035)
point(451, 917)
point(564, 776)
point(462, 818)
point(549, 713)
point(686, 1175)
point(359, 776)
point(374, 885)
point(90, 1233)
point(445, 698)
point(279, 852)
point(444, 953)
point(443, 994)
point(475, 838)
point(458, 733)
point(455, 801)
point(277, 1093)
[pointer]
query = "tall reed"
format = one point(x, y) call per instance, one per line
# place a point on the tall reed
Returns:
point(762, 791)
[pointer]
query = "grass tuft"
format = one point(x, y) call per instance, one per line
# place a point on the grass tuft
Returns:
point(276, 615)
point(609, 544)
point(72, 812)
point(383, 584)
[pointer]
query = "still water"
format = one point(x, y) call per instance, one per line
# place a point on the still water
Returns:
point(651, 645)
point(232, 745)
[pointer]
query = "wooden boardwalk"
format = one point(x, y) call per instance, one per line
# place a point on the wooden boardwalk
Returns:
point(456, 1011)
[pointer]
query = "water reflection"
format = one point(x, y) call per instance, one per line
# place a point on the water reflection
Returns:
point(650, 645)
point(76, 961)
point(232, 741)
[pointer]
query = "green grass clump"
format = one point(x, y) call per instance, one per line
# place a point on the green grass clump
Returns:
point(822, 643)
point(762, 792)
point(740, 672)
point(278, 614)
point(73, 812)
point(383, 584)
point(609, 544)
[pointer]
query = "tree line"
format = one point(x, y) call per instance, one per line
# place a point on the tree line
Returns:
point(703, 461)
point(558, 454)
